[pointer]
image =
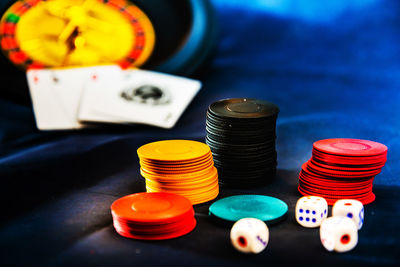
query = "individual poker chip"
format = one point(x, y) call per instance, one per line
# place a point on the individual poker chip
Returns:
point(349, 160)
point(182, 167)
point(173, 150)
point(153, 216)
point(268, 209)
point(350, 147)
point(342, 168)
point(241, 133)
point(243, 108)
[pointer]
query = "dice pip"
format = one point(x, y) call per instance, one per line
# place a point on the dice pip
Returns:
point(350, 208)
point(311, 211)
point(249, 235)
point(338, 233)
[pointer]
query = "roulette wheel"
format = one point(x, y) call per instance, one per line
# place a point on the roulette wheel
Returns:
point(60, 33)
point(175, 37)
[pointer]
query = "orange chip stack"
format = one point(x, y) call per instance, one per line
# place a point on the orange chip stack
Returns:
point(182, 167)
point(153, 216)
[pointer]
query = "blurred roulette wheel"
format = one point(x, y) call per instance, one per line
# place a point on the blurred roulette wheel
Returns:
point(174, 37)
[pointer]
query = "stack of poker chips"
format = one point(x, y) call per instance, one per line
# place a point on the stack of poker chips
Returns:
point(182, 167)
point(342, 168)
point(241, 133)
point(153, 216)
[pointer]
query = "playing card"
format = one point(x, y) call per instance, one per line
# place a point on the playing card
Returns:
point(137, 96)
point(56, 95)
point(48, 108)
point(69, 84)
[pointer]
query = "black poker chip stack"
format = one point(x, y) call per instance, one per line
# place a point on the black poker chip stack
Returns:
point(241, 133)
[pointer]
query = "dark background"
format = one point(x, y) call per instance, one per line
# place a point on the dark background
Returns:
point(331, 66)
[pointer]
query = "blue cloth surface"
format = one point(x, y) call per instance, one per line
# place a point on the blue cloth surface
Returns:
point(333, 69)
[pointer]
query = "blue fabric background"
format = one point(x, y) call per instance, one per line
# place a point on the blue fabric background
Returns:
point(331, 66)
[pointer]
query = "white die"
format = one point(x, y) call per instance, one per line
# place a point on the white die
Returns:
point(351, 208)
point(311, 210)
point(249, 235)
point(338, 233)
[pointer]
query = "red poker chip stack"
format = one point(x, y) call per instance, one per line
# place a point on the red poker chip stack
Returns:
point(342, 168)
point(153, 216)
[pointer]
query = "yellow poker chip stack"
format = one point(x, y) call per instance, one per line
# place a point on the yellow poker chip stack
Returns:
point(182, 167)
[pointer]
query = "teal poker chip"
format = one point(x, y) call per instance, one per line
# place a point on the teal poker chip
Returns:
point(268, 209)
